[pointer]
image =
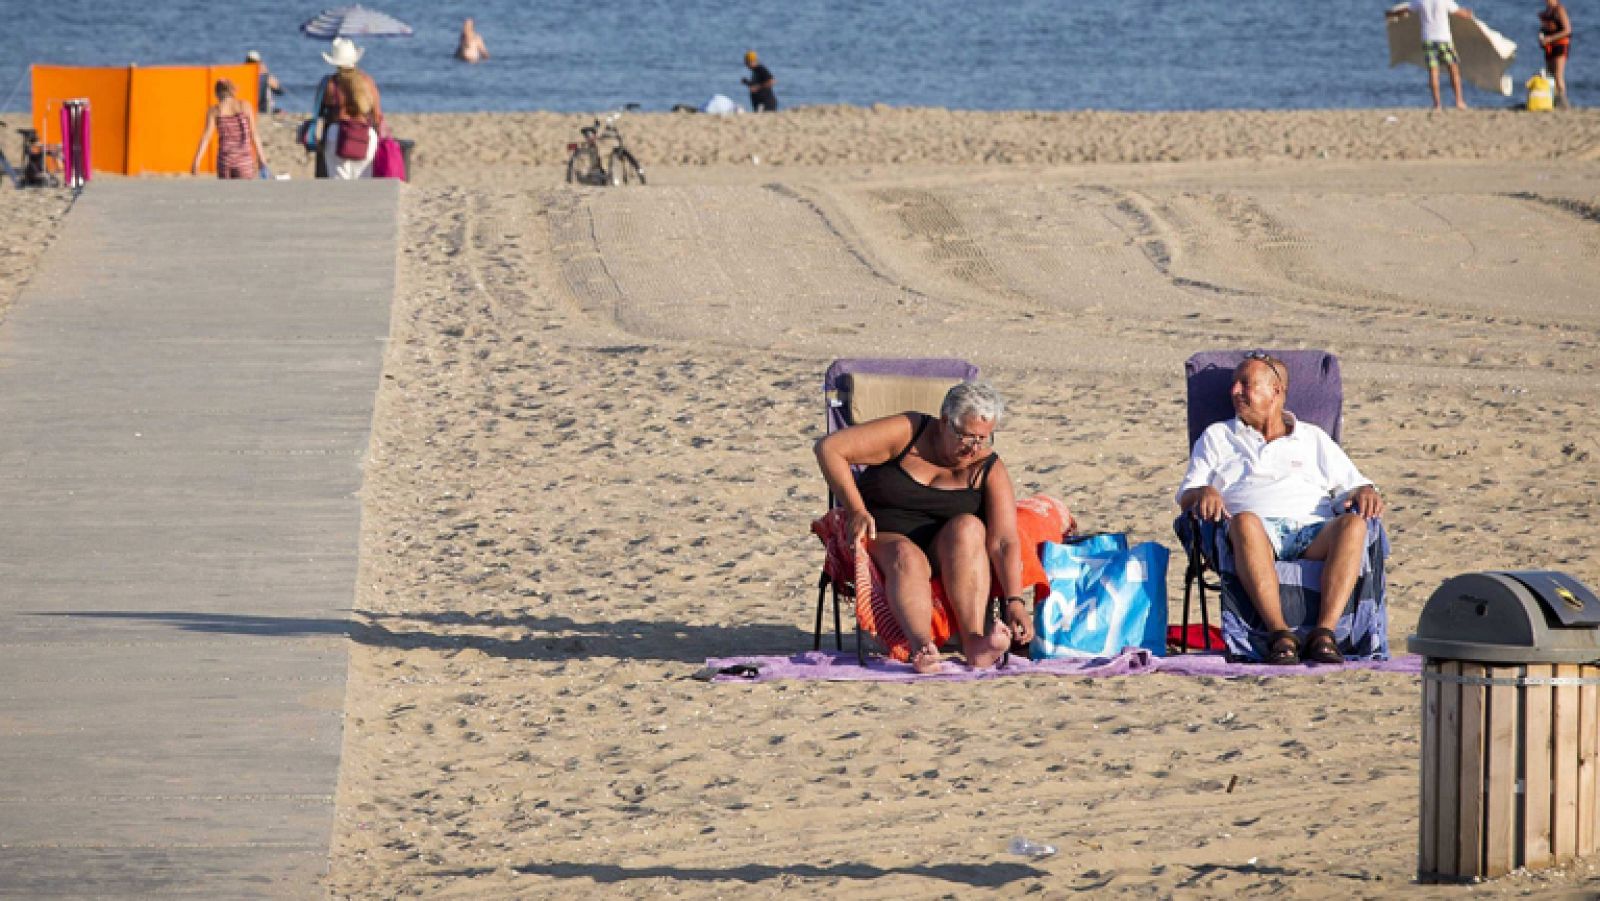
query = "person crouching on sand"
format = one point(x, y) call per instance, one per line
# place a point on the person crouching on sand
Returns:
point(471, 48)
point(936, 500)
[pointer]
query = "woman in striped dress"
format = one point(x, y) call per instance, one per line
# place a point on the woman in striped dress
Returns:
point(239, 153)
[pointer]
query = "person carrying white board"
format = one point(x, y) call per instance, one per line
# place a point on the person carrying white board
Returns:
point(1437, 44)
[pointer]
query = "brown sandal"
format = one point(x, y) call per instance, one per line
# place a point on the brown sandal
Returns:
point(1283, 648)
point(1322, 646)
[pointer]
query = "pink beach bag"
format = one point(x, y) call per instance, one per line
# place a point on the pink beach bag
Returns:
point(390, 161)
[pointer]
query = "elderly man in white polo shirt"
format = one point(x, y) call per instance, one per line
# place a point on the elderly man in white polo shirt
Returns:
point(1288, 492)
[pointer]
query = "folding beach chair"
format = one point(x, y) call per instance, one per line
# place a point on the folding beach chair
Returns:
point(861, 390)
point(1316, 395)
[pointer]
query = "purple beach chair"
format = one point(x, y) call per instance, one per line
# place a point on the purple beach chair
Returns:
point(1316, 395)
point(860, 390)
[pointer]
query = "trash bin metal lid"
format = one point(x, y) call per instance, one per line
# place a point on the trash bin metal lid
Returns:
point(1569, 600)
point(1502, 617)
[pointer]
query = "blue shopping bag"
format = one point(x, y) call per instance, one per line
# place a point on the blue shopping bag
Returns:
point(1104, 596)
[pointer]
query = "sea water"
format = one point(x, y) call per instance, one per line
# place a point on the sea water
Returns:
point(585, 56)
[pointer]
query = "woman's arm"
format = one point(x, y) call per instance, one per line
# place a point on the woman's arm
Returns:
point(205, 138)
point(1005, 549)
point(1000, 520)
point(860, 445)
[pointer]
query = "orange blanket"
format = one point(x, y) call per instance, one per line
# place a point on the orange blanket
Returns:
point(1040, 518)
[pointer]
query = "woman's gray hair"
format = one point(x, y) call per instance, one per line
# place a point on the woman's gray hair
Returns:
point(973, 399)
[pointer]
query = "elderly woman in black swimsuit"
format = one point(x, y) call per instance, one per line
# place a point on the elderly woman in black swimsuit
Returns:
point(935, 499)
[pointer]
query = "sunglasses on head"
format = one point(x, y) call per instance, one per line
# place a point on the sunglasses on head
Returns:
point(1272, 363)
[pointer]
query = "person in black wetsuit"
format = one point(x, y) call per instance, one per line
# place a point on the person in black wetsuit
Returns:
point(760, 83)
point(935, 499)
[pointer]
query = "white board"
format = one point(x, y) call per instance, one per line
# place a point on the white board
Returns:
point(1486, 54)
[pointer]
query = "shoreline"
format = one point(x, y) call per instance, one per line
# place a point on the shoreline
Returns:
point(828, 135)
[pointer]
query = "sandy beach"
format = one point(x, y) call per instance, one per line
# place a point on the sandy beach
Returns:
point(590, 470)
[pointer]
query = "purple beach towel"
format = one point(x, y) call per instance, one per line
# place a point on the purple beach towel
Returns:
point(836, 667)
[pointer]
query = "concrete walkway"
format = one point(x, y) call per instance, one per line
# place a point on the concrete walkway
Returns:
point(185, 397)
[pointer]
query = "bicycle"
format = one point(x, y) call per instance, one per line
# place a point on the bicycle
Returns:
point(584, 163)
point(37, 171)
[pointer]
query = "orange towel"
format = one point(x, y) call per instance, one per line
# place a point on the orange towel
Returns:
point(1040, 518)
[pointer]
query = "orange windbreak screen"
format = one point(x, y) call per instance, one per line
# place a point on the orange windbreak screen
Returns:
point(107, 92)
point(167, 114)
point(165, 118)
point(144, 120)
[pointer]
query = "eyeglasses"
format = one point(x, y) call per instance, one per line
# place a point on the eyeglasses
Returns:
point(1272, 363)
point(971, 441)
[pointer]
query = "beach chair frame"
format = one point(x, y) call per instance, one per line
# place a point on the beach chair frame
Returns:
point(1316, 395)
point(836, 390)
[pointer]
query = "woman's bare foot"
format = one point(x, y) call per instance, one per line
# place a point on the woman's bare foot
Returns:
point(926, 659)
point(987, 652)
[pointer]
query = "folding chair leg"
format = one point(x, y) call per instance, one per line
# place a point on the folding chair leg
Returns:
point(1188, 587)
point(822, 595)
point(838, 629)
point(1205, 618)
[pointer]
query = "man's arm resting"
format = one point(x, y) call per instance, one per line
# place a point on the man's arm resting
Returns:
point(1366, 501)
point(1203, 501)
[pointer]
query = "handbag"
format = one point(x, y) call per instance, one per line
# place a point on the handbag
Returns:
point(390, 161)
point(355, 136)
point(1104, 596)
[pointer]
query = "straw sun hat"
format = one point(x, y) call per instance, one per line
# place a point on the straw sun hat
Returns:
point(345, 54)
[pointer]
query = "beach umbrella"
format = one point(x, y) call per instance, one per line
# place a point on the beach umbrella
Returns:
point(354, 21)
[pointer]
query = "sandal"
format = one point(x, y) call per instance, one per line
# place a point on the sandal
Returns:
point(1322, 646)
point(1283, 648)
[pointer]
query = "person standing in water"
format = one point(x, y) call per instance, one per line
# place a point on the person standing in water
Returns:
point(471, 48)
point(760, 83)
point(1555, 36)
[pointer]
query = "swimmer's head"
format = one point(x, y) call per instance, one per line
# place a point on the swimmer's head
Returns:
point(749, 57)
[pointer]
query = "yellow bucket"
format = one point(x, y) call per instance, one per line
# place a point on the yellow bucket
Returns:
point(1541, 93)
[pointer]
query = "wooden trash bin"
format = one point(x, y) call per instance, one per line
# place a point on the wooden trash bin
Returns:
point(1510, 724)
point(1509, 756)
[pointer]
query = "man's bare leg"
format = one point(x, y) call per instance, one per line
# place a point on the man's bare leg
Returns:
point(1252, 563)
point(1455, 84)
point(962, 547)
point(1339, 546)
point(1433, 86)
point(906, 578)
